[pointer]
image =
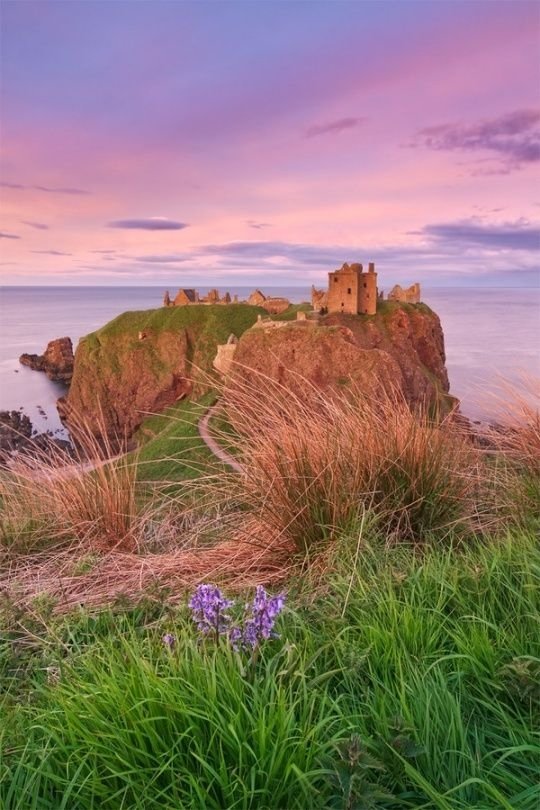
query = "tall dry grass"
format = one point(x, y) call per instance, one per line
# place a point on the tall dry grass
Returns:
point(51, 498)
point(514, 409)
point(313, 463)
point(514, 435)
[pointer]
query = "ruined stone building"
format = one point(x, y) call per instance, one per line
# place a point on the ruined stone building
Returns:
point(257, 298)
point(184, 297)
point(411, 295)
point(319, 299)
point(352, 291)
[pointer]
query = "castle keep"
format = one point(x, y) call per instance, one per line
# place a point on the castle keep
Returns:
point(352, 291)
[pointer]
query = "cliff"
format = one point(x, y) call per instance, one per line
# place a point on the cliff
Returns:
point(141, 362)
point(56, 361)
point(401, 346)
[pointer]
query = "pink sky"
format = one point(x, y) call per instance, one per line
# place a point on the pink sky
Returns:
point(286, 138)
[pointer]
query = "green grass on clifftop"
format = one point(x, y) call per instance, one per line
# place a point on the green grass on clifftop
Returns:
point(220, 321)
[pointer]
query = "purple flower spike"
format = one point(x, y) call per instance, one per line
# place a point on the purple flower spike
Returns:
point(264, 611)
point(209, 606)
point(169, 640)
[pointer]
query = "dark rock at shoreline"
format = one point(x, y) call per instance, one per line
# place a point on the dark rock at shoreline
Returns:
point(15, 431)
point(17, 435)
point(56, 361)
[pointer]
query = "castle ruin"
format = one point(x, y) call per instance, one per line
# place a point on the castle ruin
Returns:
point(352, 291)
point(411, 295)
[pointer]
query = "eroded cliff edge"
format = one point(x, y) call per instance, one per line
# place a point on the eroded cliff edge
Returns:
point(402, 347)
point(142, 362)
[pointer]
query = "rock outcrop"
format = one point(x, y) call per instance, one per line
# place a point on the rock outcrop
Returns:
point(413, 336)
point(17, 435)
point(15, 431)
point(56, 361)
point(400, 347)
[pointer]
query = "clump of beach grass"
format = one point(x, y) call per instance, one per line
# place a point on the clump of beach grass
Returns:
point(313, 462)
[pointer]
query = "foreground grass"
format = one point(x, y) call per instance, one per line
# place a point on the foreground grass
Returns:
point(399, 680)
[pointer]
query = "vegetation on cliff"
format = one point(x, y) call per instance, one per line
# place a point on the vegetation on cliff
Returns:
point(142, 362)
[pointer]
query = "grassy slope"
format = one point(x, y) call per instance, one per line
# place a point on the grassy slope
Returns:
point(222, 320)
point(170, 446)
point(429, 659)
point(100, 352)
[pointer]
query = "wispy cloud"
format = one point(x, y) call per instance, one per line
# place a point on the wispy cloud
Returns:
point(52, 252)
point(40, 226)
point(332, 127)
point(163, 259)
point(48, 189)
point(103, 251)
point(4, 235)
point(514, 139)
point(258, 225)
point(149, 224)
point(519, 235)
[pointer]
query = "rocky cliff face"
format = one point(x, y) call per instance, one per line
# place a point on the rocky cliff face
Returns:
point(142, 362)
point(56, 361)
point(401, 346)
point(413, 336)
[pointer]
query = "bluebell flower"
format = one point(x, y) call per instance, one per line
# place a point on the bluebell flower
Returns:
point(260, 621)
point(169, 640)
point(209, 610)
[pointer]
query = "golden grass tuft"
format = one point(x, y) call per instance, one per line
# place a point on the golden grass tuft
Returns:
point(313, 467)
point(313, 463)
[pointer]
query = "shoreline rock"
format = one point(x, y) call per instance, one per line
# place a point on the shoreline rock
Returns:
point(17, 435)
point(56, 361)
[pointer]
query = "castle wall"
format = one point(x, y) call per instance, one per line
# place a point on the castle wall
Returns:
point(352, 291)
point(410, 295)
point(343, 291)
point(367, 298)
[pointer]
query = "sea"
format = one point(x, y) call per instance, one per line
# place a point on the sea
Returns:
point(490, 334)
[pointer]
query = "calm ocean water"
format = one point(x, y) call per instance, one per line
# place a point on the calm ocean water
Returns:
point(487, 332)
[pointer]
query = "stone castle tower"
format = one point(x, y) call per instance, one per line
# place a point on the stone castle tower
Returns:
point(352, 291)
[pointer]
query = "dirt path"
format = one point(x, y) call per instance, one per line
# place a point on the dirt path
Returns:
point(210, 442)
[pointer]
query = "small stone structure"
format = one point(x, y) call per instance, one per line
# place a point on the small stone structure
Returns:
point(352, 291)
point(185, 297)
point(225, 355)
point(411, 295)
point(319, 299)
point(275, 306)
point(257, 298)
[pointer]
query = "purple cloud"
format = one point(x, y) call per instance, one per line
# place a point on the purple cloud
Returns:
point(52, 252)
point(514, 138)
point(164, 259)
point(48, 189)
point(149, 224)
point(4, 235)
point(103, 251)
point(38, 225)
point(258, 225)
point(332, 126)
point(520, 235)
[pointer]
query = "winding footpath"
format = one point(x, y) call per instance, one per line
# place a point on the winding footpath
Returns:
point(210, 442)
